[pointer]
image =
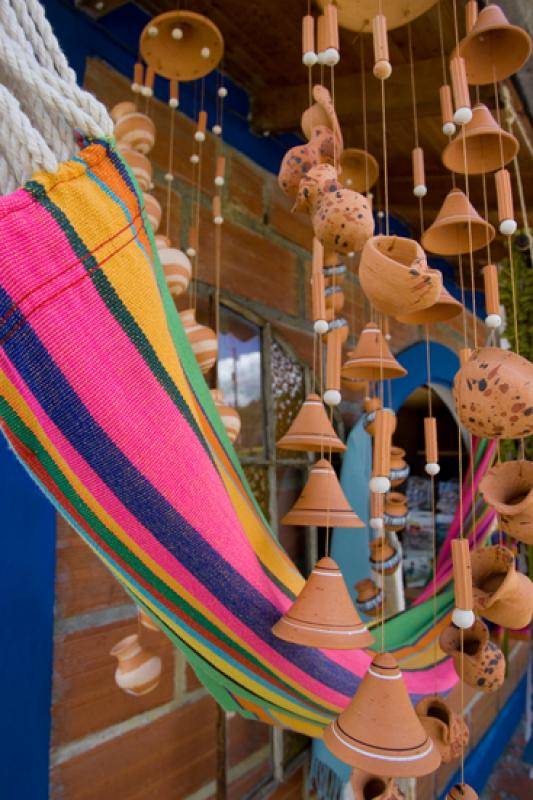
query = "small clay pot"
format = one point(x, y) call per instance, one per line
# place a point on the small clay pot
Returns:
point(153, 210)
point(139, 670)
point(177, 269)
point(369, 598)
point(334, 275)
point(202, 339)
point(508, 489)
point(501, 593)
point(384, 558)
point(462, 791)
point(374, 787)
point(395, 512)
point(399, 467)
point(359, 170)
point(446, 728)
point(334, 297)
point(483, 662)
point(395, 277)
point(493, 393)
point(300, 159)
point(230, 417)
point(138, 163)
point(133, 128)
point(147, 621)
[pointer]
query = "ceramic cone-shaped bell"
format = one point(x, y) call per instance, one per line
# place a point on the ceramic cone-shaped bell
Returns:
point(494, 49)
point(379, 731)
point(323, 614)
point(372, 358)
point(480, 146)
point(359, 169)
point(445, 308)
point(457, 227)
point(322, 501)
point(311, 430)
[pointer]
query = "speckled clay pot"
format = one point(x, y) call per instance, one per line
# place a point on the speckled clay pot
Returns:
point(484, 663)
point(138, 669)
point(446, 728)
point(374, 787)
point(395, 277)
point(342, 219)
point(322, 112)
point(508, 488)
point(231, 419)
point(493, 394)
point(501, 593)
point(300, 159)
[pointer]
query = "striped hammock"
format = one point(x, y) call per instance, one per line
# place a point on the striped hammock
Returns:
point(103, 402)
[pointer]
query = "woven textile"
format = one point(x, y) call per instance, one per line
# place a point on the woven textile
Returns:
point(102, 400)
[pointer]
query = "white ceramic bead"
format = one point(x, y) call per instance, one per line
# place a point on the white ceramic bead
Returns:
point(463, 619)
point(432, 469)
point(462, 116)
point(320, 326)
point(332, 397)
point(309, 59)
point(493, 321)
point(420, 190)
point(508, 227)
point(379, 484)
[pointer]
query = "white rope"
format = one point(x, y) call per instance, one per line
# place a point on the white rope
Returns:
point(24, 148)
point(41, 38)
point(8, 182)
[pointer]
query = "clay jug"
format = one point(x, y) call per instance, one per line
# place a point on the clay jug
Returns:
point(508, 488)
point(384, 558)
point(446, 728)
point(493, 393)
point(399, 467)
point(372, 358)
point(461, 791)
point(359, 170)
point(444, 309)
point(138, 163)
point(395, 512)
point(480, 146)
point(202, 339)
point(138, 669)
point(311, 430)
point(334, 275)
point(231, 419)
point(374, 787)
point(133, 128)
point(379, 731)
point(322, 112)
point(457, 226)
point(322, 501)
point(369, 598)
point(323, 614)
point(501, 593)
point(483, 662)
point(177, 269)
point(300, 159)
point(395, 277)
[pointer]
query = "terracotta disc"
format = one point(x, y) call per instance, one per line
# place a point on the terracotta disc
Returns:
point(181, 59)
point(358, 16)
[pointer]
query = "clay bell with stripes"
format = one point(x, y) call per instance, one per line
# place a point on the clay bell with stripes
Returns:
point(323, 614)
point(372, 358)
point(311, 430)
point(379, 731)
point(322, 501)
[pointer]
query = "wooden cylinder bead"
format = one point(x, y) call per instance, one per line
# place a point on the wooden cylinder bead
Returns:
point(465, 354)
point(138, 78)
point(492, 296)
point(218, 219)
point(220, 170)
point(381, 462)
point(173, 96)
point(419, 173)
point(321, 38)
point(504, 193)
point(462, 578)
point(471, 13)
point(192, 246)
point(377, 504)
point(432, 447)
point(382, 66)
point(149, 77)
point(446, 110)
point(201, 126)
point(309, 56)
point(335, 340)
point(331, 35)
point(461, 95)
point(317, 261)
point(318, 298)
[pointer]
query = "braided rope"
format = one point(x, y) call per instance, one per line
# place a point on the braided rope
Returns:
point(41, 38)
point(24, 147)
point(8, 182)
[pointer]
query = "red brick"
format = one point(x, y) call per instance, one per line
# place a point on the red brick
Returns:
point(166, 760)
point(192, 684)
point(245, 736)
point(300, 340)
point(246, 187)
point(296, 227)
point(243, 786)
point(85, 696)
point(292, 789)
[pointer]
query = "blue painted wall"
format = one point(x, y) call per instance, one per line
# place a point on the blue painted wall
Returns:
point(444, 365)
point(27, 568)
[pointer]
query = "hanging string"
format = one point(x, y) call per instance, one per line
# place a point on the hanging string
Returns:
point(433, 508)
point(441, 42)
point(170, 171)
point(415, 114)
point(463, 300)
point(364, 109)
point(385, 157)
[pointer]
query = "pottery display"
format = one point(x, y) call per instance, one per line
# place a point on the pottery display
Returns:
point(147, 621)
point(322, 112)
point(448, 730)
point(483, 663)
point(373, 787)
point(463, 614)
point(138, 163)
point(311, 430)
point(132, 128)
point(359, 170)
point(300, 159)
point(369, 599)
point(508, 489)
point(384, 558)
point(371, 405)
point(446, 307)
point(322, 501)
point(231, 419)
point(399, 471)
point(342, 219)
point(457, 228)
point(138, 669)
point(480, 145)
point(153, 210)
point(493, 49)
point(323, 614)
point(381, 456)
point(202, 339)
point(177, 269)
point(501, 593)
point(461, 791)
point(334, 275)
point(334, 298)
point(395, 277)
point(379, 731)
point(372, 358)
point(493, 394)
point(395, 512)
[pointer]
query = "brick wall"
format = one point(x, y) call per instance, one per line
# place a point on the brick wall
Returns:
point(107, 745)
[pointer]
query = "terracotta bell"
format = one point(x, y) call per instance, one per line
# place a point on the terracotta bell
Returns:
point(399, 466)
point(322, 501)
point(359, 170)
point(231, 419)
point(494, 49)
point(323, 614)
point(133, 128)
point(462, 791)
point(372, 358)
point(140, 165)
point(202, 339)
point(447, 729)
point(311, 430)
point(483, 143)
point(493, 394)
point(394, 275)
point(395, 511)
point(483, 665)
point(138, 669)
point(379, 731)
point(369, 598)
point(177, 269)
point(508, 489)
point(384, 558)
point(444, 309)
point(501, 593)
point(449, 234)
point(373, 787)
